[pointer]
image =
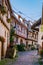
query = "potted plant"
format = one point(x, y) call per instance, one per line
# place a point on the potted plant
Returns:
point(8, 20)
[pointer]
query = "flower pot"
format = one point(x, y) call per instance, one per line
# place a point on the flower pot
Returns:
point(8, 20)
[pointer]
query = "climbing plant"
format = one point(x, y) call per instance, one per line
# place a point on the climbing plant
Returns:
point(12, 35)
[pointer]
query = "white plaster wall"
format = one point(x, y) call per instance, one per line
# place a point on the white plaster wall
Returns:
point(34, 42)
point(29, 42)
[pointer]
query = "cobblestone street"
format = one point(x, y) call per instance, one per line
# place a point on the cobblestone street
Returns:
point(26, 58)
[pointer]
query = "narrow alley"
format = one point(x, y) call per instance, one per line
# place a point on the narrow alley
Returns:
point(26, 58)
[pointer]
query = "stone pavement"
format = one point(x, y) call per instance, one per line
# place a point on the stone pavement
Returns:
point(26, 58)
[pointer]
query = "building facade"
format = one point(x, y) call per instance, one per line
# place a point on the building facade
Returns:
point(5, 11)
point(24, 33)
point(20, 27)
point(32, 37)
point(39, 26)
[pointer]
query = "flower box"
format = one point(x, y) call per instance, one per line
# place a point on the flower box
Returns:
point(8, 20)
point(3, 9)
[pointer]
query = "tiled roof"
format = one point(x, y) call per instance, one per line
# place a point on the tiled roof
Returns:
point(37, 23)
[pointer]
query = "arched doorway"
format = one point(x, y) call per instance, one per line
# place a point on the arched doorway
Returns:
point(2, 40)
point(26, 44)
point(21, 41)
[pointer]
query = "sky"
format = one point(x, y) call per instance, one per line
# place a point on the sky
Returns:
point(31, 9)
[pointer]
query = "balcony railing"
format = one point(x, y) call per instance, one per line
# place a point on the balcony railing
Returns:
point(20, 33)
point(32, 38)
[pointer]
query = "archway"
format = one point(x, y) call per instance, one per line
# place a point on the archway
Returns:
point(2, 40)
point(26, 44)
point(21, 41)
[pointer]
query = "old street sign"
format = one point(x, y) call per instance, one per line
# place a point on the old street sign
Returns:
point(41, 28)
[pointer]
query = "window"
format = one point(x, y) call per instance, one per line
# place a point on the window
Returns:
point(8, 15)
point(23, 30)
point(6, 2)
point(14, 25)
point(21, 41)
point(17, 26)
point(17, 39)
point(26, 44)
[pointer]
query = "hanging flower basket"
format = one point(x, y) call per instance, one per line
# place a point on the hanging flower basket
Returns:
point(2, 39)
point(8, 20)
point(3, 9)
